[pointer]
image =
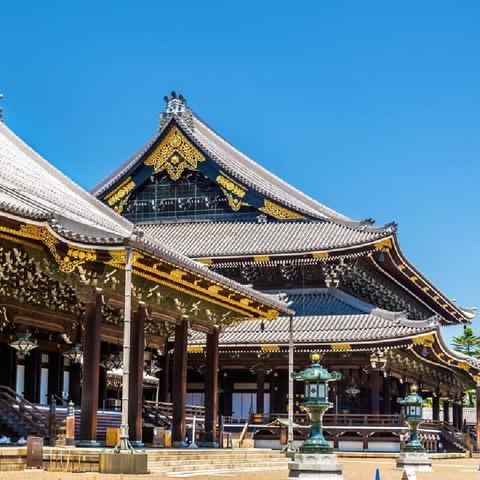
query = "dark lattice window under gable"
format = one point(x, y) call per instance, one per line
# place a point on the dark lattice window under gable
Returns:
point(192, 197)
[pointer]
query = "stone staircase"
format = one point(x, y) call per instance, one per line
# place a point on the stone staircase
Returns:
point(183, 463)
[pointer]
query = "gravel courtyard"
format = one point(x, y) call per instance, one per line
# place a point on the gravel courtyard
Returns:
point(354, 469)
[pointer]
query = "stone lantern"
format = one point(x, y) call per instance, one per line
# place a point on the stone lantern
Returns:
point(316, 458)
point(413, 454)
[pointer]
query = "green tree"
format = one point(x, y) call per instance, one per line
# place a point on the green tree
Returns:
point(467, 343)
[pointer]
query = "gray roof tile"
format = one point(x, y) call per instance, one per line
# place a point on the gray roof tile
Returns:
point(213, 239)
point(331, 316)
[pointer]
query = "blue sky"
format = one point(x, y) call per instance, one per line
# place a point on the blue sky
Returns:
point(371, 107)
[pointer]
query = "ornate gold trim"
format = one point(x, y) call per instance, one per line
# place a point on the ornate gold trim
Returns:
point(68, 263)
point(270, 348)
point(232, 190)
point(425, 340)
point(320, 254)
point(261, 258)
point(174, 155)
point(195, 349)
point(279, 212)
point(340, 346)
point(385, 244)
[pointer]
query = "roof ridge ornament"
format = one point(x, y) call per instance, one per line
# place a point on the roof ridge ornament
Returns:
point(1, 109)
point(176, 106)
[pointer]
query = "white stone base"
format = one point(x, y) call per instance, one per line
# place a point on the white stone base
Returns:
point(315, 466)
point(418, 461)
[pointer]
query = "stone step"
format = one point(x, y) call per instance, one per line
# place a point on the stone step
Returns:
point(226, 472)
point(213, 455)
point(216, 466)
point(218, 460)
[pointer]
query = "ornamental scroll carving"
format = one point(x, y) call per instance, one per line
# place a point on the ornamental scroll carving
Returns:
point(233, 191)
point(66, 263)
point(279, 212)
point(118, 197)
point(175, 154)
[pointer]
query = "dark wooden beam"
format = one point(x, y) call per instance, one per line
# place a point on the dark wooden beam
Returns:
point(55, 373)
point(91, 362)
point(375, 392)
point(261, 390)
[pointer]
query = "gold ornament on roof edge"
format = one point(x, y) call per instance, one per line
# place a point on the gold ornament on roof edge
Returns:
point(279, 212)
point(175, 154)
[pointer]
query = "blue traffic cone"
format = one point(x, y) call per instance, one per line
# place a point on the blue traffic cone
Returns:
point(377, 474)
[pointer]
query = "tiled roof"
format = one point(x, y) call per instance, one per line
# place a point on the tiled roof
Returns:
point(257, 177)
point(233, 162)
point(323, 316)
point(212, 239)
point(31, 188)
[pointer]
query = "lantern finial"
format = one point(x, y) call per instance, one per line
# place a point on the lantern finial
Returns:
point(315, 357)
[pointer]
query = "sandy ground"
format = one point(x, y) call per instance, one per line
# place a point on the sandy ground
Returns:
point(361, 469)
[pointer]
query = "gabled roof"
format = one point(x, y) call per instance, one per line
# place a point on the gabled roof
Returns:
point(32, 189)
point(315, 230)
point(231, 161)
point(324, 316)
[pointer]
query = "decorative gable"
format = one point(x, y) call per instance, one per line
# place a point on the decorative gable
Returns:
point(174, 155)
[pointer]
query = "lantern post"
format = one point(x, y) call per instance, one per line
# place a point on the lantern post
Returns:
point(414, 455)
point(316, 458)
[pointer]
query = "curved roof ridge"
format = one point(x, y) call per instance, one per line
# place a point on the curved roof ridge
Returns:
point(13, 150)
point(311, 206)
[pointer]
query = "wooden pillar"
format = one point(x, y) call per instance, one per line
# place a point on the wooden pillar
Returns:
point(446, 411)
point(260, 390)
point(227, 387)
point(211, 390)
point(179, 387)
point(477, 421)
point(274, 393)
point(455, 415)
point(387, 396)
point(33, 367)
point(90, 371)
point(55, 374)
point(460, 414)
point(102, 387)
point(75, 382)
point(135, 387)
point(436, 407)
point(375, 392)
point(165, 373)
point(8, 366)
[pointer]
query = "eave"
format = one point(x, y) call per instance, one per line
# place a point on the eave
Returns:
point(70, 256)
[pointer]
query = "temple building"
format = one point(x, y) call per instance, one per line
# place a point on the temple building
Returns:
point(64, 262)
point(357, 298)
point(224, 258)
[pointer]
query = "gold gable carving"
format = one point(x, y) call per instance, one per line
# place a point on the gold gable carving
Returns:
point(279, 212)
point(233, 191)
point(175, 154)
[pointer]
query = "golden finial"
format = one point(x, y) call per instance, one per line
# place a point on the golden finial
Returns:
point(413, 388)
point(315, 357)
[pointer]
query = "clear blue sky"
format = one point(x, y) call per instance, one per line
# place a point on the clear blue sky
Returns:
point(372, 107)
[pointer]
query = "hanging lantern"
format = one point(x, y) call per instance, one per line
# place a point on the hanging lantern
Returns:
point(114, 361)
point(24, 344)
point(352, 390)
point(74, 354)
